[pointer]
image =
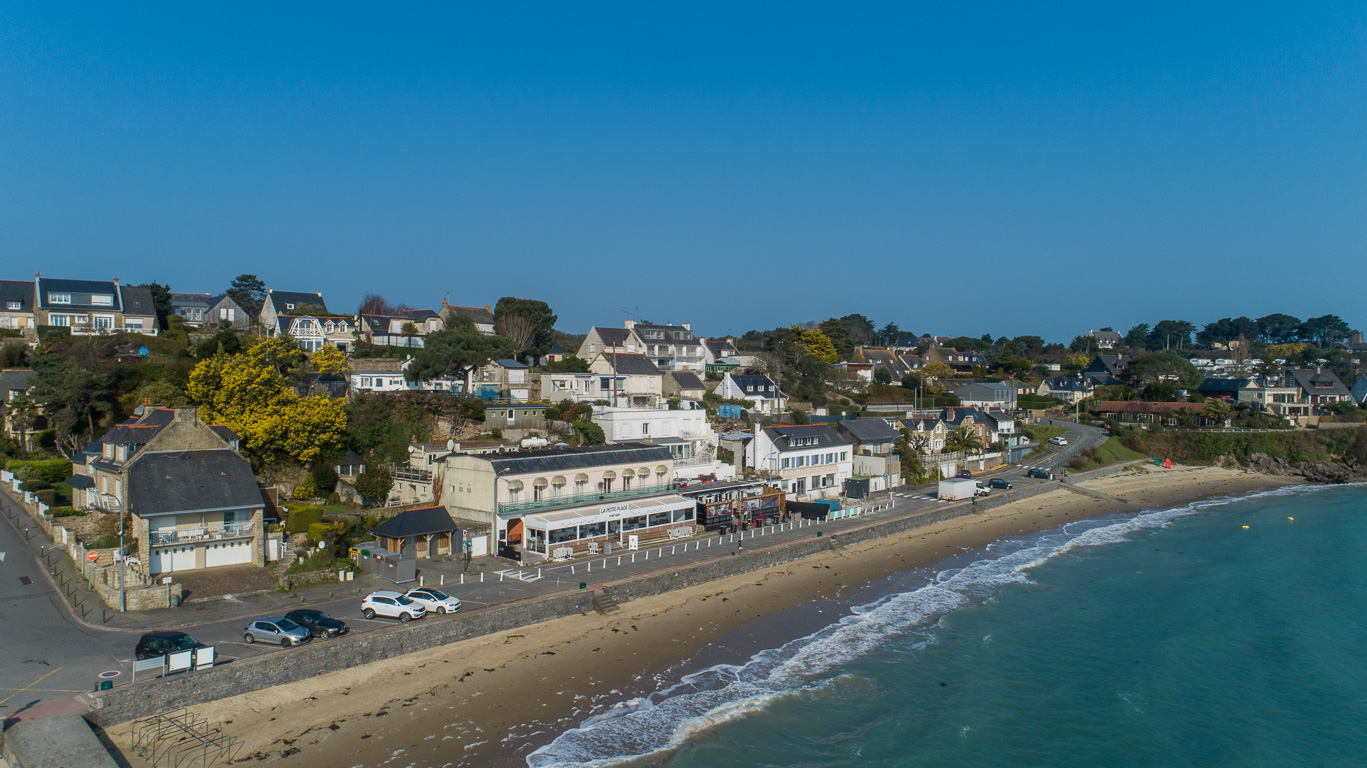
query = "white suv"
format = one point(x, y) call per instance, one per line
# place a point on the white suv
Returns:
point(434, 600)
point(394, 605)
point(1060, 440)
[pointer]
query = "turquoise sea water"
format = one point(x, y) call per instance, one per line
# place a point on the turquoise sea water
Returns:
point(1175, 637)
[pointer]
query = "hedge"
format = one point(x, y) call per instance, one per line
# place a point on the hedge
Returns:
point(51, 470)
point(303, 517)
point(65, 512)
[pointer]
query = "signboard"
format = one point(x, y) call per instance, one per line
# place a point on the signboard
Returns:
point(615, 511)
point(204, 657)
point(92, 556)
point(180, 661)
point(633, 542)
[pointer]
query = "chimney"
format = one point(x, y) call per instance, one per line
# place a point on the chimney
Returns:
point(950, 414)
point(629, 324)
point(686, 326)
point(116, 281)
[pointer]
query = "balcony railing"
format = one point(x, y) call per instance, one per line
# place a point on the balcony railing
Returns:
point(410, 474)
point(585, 498)
point(204, 533)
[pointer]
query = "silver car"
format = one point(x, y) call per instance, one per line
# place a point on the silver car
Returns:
point(276, 629)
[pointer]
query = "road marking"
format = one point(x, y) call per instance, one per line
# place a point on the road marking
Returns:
point(40, 690)
point(30, 685)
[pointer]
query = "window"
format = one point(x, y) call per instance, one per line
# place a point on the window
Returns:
point(645, 428)
point(14, 305)
point(102, 300)
point(60, 321)
point(593, 529)
point(289, 306)
point(562, 535)
point(59, 298)
point(659, 518)
point(634, 523)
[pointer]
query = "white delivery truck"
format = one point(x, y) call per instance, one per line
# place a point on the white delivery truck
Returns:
point(957, 488)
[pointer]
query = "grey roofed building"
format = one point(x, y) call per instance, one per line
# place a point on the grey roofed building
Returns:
point(687, 380)
point(722, 348)
point(868, 430)
point(1318, 386)
point(16, 296)
point(477, 315)
point(1064, 384)
point(138, 301)
point(15, 381)
point(289, 302)
point(512, 364)
point(175, 482)
point(631, 365)
point(416, 522)
point(756, 384)
point(671, 333)
point(1107, 339)
point(562, 459)
point(1213, 387)
point(825, 436)
point(77, 294)
point(613, 336)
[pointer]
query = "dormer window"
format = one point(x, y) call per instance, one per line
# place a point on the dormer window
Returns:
point(289, 306)
point(14, 306)
point(102, 300)
point(108, 451)
point(59, 298)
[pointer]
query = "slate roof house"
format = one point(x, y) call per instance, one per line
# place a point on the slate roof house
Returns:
point(425, 533)
point(482, 317)
point(1107, 339)
point(1069, 390)
point(1318, 386)
point(670, 347)
point(874, 440)
point(760, 390)
point(1105, 370)
point(17, 308)
point(93, 307)
point(685, 384)
point(305, 317)
point(388, 330)
point(194, 501)
point(601, 340)
point(633, 380)
point(810, 461)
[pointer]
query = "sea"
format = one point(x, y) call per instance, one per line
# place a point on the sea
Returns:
point(1227, 632)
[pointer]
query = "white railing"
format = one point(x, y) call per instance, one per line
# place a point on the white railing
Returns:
point(203, 533)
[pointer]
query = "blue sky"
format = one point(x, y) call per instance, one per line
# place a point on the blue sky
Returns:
point(1008, 168)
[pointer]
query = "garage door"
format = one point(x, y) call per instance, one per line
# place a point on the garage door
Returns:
point(161, 561)
point(228, 553)
point(182, 558)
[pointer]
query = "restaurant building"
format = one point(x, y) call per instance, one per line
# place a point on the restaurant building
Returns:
point(566, 502)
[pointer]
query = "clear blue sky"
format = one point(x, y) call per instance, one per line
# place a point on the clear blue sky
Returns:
point(957, 168)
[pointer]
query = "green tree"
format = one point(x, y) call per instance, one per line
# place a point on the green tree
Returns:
point(537, 313)
point(74, 396)
point(1137, 337)
point(1161, 366)
point(455, 354)
point(1278, 328)
point(1323, 330)
point(889, 335)
point(818, 344)
point(374, 484)
point(226, 341)
point(963, 439)
point(409, 329)
point(1216, 410)
point(249, 292)
point(589, 433)
point(567, 364)
point(882, 375)
point(1171, 334)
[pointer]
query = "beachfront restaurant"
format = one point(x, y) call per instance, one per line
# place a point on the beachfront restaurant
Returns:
point(594, 529)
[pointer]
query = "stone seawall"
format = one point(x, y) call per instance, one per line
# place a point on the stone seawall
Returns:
point(131, 702)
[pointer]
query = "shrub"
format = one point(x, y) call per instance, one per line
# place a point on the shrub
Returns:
point(51, 470)
point(320, 531)
point(34, 486)
point(497, 433)
point(47, 496)
point(65, 512)
point(324, 476)
point(303, 517)
point(304, 491)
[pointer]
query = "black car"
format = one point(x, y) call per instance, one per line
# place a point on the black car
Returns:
point(999, 483)
point(1042, 474)
point(965, 473)
point(155, 644)
point(318, 624)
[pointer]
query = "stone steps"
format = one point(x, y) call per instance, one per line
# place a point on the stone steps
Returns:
point(604, 604)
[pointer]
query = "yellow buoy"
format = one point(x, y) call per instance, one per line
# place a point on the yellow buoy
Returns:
point(1290, 518)
point(1245, 527)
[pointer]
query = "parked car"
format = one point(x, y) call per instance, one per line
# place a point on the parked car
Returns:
point(965, 473)
point(1059, 440)
point(981, 489)
point(154, 644)
point(999, 483)
point(1042, 474)
point(434, 600)
point(276, 629)
point(318, 624)
point(392, 605)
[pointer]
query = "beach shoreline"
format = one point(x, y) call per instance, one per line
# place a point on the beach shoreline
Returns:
point(491, 700)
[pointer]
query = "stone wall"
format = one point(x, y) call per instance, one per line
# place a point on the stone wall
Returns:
point(129, 702)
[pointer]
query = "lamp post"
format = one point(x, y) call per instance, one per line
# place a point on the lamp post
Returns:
point(123, 553)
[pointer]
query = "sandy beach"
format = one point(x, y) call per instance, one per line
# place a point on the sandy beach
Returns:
point(490, 700)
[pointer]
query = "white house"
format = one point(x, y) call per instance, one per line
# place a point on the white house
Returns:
point(810, 461)
point(575, 387)
point(685, 432)
point(386, 374)
point(760, 390)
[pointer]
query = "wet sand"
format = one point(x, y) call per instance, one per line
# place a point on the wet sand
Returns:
point(491, 700)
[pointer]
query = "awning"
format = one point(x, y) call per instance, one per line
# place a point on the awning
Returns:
point(558, 480)
point(540, 482)
point(606, 510)
point(669, 441)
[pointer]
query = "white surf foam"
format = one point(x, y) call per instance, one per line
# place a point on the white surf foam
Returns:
point(705, 699)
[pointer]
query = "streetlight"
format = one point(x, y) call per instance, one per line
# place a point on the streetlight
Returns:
point(123, 553)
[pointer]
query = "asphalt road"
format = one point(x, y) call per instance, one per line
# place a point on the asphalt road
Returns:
point(50, 654)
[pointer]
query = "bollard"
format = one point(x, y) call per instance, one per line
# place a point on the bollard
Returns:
point(421, 580)
point(633, 557)
point(571, 570)
point(462, 579)
point(481, 577)
point(605, 562)
point(538, 573)
point(588, 567)
point(673, 550)
point(619, 559)
point(500, 573)
point(443, 580)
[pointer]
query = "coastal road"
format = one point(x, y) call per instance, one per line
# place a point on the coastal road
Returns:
point(47, 654)
point(53, 638)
